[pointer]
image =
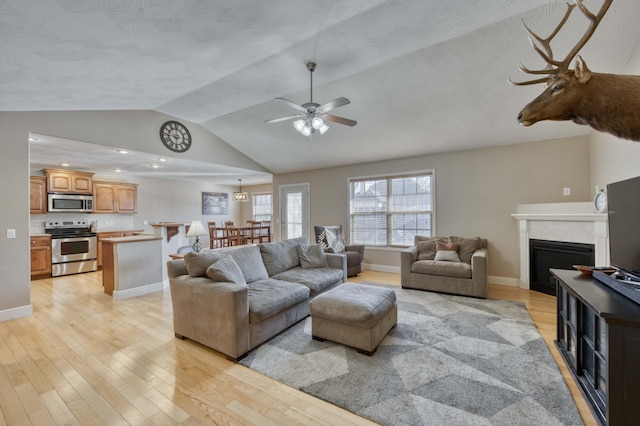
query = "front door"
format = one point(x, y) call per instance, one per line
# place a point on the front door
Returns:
point(294, 205)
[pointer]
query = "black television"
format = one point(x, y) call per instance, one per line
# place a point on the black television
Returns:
point(623, 211)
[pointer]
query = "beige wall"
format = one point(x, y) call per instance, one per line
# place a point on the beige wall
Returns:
point(476, 191)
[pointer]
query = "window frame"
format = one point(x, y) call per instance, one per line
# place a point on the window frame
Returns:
point(389, 213)
point(253, 205)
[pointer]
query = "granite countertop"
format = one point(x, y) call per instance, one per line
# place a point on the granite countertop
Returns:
point(132, 239)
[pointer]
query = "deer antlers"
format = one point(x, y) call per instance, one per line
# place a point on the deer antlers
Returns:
point(543, 45)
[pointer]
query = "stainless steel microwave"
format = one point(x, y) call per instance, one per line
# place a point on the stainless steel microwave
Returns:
point(70, 203)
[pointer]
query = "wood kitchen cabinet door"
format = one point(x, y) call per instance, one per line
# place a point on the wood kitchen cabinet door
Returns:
point(104, 198)
point(127, 198)
point(40, 256)
point(38, 194)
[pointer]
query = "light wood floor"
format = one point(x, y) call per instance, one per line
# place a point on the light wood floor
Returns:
point(83, 358)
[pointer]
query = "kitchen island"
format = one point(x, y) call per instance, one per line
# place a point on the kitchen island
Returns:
point(132, 266)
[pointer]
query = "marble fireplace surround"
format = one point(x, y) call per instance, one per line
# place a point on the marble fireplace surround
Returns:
point(567, 222)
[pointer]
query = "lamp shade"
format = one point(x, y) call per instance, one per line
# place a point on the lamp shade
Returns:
point(197, 229)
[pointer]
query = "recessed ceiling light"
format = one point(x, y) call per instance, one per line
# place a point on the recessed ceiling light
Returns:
point(122, 151)
point(117, 170)
point(155, 166)
point(64, 164)
point(162, 159)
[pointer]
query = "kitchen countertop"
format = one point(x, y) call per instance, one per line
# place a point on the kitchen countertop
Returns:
point(131, 239)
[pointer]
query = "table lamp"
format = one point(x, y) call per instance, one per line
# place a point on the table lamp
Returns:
point(197, 230)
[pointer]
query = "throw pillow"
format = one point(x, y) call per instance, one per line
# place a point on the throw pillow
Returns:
point(468, 246)
point(197, 263)
point(447, 252)
point(447, 256)
point(335, 239)
point(226, 270)
point(312, 256)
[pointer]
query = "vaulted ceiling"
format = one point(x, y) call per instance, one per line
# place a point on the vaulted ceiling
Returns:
point(423, 76)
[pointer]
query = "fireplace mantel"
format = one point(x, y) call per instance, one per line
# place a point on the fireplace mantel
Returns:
point(567, 222)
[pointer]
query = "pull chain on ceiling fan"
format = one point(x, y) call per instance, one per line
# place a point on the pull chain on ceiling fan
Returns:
point(312, 116)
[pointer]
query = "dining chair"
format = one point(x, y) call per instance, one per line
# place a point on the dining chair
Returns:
point(265, 230)
point(217, 236)
point(254, 235)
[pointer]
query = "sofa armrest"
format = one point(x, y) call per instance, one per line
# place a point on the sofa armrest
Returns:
point(407, 257)
point(356, 247)
point(338, 261)
point(479, 271)
point(216, 315)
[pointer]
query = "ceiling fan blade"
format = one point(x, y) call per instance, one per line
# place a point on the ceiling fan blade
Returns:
point(291, 104)
point(332, 105)
point(341, 120)
point(277, 120)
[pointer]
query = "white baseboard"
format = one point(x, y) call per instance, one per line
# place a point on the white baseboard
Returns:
point(382, 268)
point(138, 291)
point(13, 313)
point(506, 281)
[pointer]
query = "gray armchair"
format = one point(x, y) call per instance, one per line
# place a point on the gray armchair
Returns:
point(422, 269)
point(332, 239)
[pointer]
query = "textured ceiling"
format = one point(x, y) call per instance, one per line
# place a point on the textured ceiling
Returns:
point(423, 76)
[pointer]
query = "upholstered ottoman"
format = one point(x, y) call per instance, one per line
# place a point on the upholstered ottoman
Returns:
point(355, 315)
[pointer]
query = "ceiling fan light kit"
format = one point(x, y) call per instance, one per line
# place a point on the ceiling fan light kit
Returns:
point(311, 116)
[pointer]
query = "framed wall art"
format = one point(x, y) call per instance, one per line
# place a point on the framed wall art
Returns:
point(215, 203)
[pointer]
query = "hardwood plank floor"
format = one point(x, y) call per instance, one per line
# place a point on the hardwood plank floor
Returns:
point(84, 359)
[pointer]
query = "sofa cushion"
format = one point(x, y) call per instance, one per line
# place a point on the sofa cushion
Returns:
point(269, 297)
point(312, 256)
point(468, 246)
point(226, 270)
point(447, 269)
point(316, 279)
point(250, 262)
point(281, 255)
point(426, 247)
point(197, 263)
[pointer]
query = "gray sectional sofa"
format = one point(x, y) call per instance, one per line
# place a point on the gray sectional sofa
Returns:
point(234, 299)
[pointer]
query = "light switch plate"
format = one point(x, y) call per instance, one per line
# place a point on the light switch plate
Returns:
point(567, 192)
point(11, 233)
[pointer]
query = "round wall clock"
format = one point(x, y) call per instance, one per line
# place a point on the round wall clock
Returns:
point(175, 136)
point(600, 201)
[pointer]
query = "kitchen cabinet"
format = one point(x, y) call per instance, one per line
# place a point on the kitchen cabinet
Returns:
point(40, 256)
point(38, 194)
point(113, 234)
point(113, 197)
point(69, 182)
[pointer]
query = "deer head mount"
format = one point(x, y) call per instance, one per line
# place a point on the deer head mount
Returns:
point(606, 102)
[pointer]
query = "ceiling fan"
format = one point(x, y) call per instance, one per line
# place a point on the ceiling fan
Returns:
point(312, 116)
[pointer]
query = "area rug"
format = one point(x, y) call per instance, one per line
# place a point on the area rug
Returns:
point(449, 361)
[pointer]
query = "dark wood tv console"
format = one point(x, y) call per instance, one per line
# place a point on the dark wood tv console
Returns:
point(599, 339)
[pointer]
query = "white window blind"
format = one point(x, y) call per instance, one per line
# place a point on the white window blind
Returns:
point(391, 210)
point(262, 206)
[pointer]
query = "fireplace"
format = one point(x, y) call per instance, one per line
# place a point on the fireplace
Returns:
point(544, 254)
point(563, 222)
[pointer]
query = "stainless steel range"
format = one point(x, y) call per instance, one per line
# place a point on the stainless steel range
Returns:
point(74, 247)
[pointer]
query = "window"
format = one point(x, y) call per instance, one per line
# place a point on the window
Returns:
point(391, 210)
point(262, 206)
